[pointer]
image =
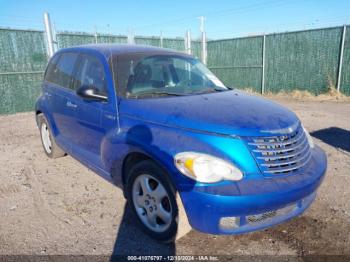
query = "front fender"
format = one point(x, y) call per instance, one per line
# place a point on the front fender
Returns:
point(162, 143)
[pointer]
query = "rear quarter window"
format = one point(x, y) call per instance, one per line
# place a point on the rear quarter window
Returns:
point(61, 68)
point(51, 69)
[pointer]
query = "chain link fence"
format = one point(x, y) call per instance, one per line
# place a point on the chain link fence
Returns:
point(237, 62)
point(305, 60)
point(23, 58)
point(22, 63)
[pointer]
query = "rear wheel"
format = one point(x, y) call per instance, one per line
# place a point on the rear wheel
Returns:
point(152, 200)
point(51, 149)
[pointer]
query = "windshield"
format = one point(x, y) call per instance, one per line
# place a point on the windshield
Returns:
point(143, 75)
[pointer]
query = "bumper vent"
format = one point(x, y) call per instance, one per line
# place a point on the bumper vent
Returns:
point(262, 218)
point(281, 154)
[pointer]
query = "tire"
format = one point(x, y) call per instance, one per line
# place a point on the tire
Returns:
point(51, 149)
point(154, 207)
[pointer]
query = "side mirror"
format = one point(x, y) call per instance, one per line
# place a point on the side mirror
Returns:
point(91, 93)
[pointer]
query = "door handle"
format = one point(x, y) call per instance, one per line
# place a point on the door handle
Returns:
point(111, 117)
point(70, 104)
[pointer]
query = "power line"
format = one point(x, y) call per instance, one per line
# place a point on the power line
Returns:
point(307, 24)
point(315, 21)
point(233, 10)
point(260, 5)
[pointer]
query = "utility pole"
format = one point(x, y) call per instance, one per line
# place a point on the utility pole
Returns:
point(203, 40)
point(49, 35)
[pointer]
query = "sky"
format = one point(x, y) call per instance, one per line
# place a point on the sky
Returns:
point(223, 18)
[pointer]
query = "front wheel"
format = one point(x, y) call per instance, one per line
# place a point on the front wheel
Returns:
point(152, 199)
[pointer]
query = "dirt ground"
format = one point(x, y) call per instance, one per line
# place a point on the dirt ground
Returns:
point(60, 207)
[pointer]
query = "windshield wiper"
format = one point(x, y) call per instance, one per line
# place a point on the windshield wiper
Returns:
point(141, 94)
point(211, 90)
point(219, 89)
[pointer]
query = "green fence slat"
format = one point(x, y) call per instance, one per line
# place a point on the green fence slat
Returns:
point(176, 44)
point(306, 60)
point(153, 41)
point(19, 92)
point(115, 39)
point(65, 40)
point(68, 39)
point(22, 51)
point(196, 49)
point(236, 61)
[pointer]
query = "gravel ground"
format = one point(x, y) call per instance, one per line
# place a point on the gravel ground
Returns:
point(60, 207)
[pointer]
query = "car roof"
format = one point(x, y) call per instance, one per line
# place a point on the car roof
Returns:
point(117, 49)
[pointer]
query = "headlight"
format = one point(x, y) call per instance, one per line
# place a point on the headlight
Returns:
point(205, 168)
point(309, 138)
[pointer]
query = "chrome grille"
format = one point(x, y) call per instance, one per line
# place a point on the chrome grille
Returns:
point(281, 154)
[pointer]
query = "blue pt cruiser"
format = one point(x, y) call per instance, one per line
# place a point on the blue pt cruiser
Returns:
point(159, 124)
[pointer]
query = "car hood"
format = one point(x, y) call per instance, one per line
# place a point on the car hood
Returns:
point(229, 113)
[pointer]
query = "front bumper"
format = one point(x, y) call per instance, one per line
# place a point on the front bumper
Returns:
point(254, 203)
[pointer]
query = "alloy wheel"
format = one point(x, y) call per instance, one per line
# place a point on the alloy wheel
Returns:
point(152, 203)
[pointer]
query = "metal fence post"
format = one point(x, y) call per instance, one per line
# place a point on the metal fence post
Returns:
point(263, 66)
point(204, 43)
point(95, 35)
point(161, 38)
point(340, 66)
point(49, 35)
point(131, 37)
point(54, 37)
point(188, 42)
point(204, 48)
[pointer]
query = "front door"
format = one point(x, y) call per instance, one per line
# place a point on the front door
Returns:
point(91, 125)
